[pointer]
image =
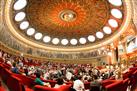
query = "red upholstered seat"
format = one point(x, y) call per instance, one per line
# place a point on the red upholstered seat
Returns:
point(125, 84)
point(64, 88)
point(133, 69)
point(133, 80)
point(87, 85)
point(129, 73)
point(52, 82)
point(26, 80)
point(116, 86)
point(107, 82)
point(14, 84)
point(69, 83)
point(42, 88)
point(5, 74)
point(28, 89)
point(7, 66)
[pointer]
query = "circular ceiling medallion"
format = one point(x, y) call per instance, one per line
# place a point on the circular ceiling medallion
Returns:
point(68, 15)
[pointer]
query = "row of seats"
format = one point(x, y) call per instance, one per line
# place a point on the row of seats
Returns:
point(114, 85)
point(129, 80)
point(17, 82)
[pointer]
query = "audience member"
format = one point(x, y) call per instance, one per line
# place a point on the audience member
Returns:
point(78, 84)
point(59, 83)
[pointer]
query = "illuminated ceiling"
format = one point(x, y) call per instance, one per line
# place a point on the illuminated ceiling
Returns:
point(67, 24)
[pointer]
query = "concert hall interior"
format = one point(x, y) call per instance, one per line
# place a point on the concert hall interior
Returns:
point(68, 45)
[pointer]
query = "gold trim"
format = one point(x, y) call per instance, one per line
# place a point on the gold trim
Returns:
point(9, 50)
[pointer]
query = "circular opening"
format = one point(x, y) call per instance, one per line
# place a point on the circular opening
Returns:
point(24, 25)
point(20, 16)
point(46, 39)
point(116, 13)
point(82, 40)
point(115, 3)
point(113, 23)
point(20, 4)
point(64, 42)
point(38, 36)
point(91, 38)
point(73, 41)
point(107, 30)
point(99, 35)
point(30, 31)
point(55, 41)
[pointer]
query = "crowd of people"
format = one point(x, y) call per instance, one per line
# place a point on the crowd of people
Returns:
point(78, 74)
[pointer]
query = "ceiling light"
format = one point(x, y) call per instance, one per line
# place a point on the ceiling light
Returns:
point(99, 35)
point(20, 4)
point(64, 41)
point(30, 31)
point(115, 3)
point(20, 16)
point(91, 38)
point(116, 13)
point(55, 41)
point(46, 39)
point(24, 25)
point(73, 41)
point(38, 36)
point(107, 30)
point(82, 40)
point(113, 23)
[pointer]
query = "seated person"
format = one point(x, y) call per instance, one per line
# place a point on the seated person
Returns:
point(39, 81)
point(15, 69)
point(78, 84)
point(59, 83)
point(96, 84)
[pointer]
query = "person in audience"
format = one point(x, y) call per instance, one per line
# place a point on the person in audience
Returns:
point(78, 84)
point(25, 70)
point(9, 62)
point(95, 84)
point(21, 70)
point(85, 79)
point(69, 75)
point(15, 69)
point(59, 83)
point(46, 75)
point(38, 80)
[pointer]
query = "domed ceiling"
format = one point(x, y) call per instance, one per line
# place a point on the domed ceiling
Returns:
point(68, 23)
